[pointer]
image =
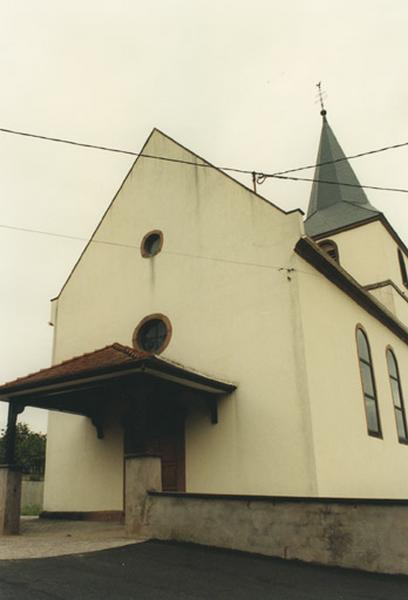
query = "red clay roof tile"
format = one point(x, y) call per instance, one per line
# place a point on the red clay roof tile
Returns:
point(113, 356)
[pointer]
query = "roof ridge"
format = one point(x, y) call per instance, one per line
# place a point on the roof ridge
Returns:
point(131, 352)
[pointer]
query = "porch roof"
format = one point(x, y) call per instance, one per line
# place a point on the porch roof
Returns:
point(108, 363)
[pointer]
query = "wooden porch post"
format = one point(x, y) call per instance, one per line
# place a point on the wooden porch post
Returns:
point(10, 446)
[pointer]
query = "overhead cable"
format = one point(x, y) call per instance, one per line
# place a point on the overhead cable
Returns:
point(120, 151)
point(137, 247)
point(366, 187)
point(260, 176)
point(337, 160)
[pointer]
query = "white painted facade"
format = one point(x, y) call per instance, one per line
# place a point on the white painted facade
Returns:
point(349, 462)
point(296, 423)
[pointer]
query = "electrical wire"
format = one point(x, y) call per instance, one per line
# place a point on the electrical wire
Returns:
point(260, 176)
point(367, 187)
point(120, 151)
point(137, 247)
point(337, 160)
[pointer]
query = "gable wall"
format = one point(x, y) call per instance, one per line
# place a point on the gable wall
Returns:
point(234, 316)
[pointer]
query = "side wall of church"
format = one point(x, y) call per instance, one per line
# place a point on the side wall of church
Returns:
point(349, 462)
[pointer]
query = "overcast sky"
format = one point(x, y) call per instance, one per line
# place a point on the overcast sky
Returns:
point(234, 81)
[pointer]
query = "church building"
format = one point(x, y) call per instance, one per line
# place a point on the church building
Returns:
point(254, 351)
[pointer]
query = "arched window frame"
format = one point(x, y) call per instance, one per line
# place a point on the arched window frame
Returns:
point(403, 268)
point(330, 248)
point(369, 396)
point(144, 245)
point(396, 394)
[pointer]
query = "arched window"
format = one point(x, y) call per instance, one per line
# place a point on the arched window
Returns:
point(403, 268)
point(368, 383)
point(330, 248)
point(397, 397)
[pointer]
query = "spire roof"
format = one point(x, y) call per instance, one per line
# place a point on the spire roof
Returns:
point(333, 206)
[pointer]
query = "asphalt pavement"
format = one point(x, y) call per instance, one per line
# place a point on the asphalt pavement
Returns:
point(161, 570)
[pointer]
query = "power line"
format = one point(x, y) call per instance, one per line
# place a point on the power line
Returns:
point(137, 247)
point(337, 160)
point(260, 177)
point(58, 235)
point(367, 187)
point(285, 270)
point(120, 151)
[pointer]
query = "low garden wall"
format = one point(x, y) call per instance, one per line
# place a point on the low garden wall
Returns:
point(32, 493)
point(371, 535)
point(368, 535)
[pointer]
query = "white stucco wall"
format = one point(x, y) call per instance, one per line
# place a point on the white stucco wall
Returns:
point(395, 301)
point(234, 314)
point(350, 463)
point(83, 472)
point(369, 254)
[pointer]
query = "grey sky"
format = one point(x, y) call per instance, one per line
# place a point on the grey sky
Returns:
point(233, 81)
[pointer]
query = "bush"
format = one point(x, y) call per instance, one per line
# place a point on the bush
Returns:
point(30, 449)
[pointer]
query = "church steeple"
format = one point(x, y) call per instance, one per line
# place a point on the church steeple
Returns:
point(332, 205)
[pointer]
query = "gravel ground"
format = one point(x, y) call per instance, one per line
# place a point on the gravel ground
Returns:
point(40, 538)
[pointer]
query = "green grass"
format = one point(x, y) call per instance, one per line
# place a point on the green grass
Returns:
point(31, 510)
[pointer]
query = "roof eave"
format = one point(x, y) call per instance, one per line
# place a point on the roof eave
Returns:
point(154, 365)
point(379, 217)
point(310, 251)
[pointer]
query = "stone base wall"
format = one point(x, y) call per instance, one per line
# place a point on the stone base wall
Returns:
point(10, 497)
point(363, 534)
point(32, 494)
point(142, 474)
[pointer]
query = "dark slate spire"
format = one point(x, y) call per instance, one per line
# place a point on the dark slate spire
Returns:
point(333, 206)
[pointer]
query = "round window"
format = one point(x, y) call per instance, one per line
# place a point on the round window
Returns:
point(151, 243)
point(152, 334)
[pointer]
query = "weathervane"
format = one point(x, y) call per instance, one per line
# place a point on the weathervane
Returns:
point(321, 96)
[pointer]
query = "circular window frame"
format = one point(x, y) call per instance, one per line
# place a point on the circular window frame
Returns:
point(142, 323)
point(143, 250)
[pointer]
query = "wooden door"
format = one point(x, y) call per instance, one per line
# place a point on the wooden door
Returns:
point(157, 427)
point(166, 438)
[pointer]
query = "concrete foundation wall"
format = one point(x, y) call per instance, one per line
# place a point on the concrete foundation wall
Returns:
point(368, 535)
point(32, 494)
point(141, 474)
point(10, 496)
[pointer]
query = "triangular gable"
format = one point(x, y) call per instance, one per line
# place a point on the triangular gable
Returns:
point(184, 155)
